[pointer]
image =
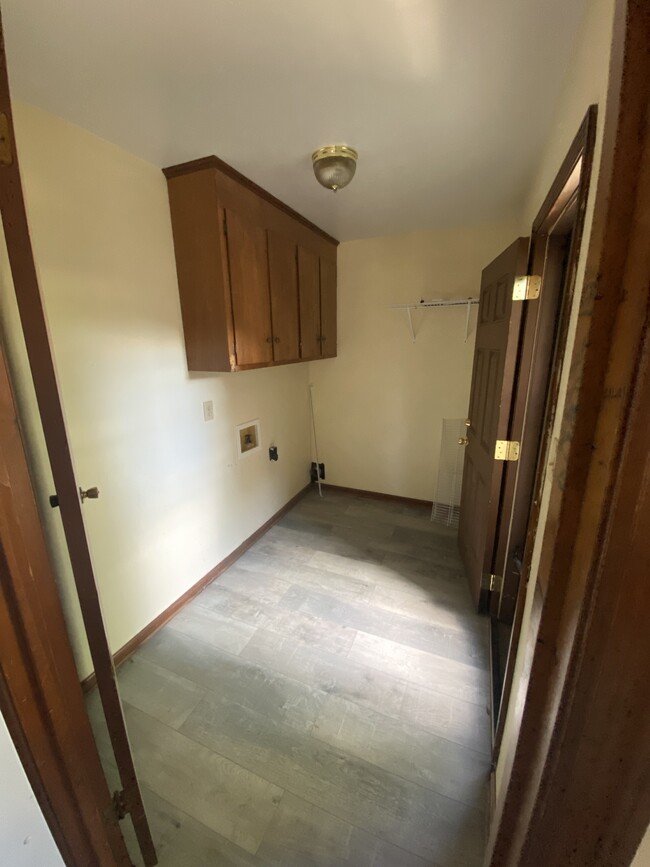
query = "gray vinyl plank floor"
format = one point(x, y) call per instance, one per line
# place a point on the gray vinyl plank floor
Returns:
point(323, 703)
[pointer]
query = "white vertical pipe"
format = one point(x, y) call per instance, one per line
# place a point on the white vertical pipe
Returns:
point(313, 425)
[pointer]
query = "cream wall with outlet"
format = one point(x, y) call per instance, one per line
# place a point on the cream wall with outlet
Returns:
point(586, 83)
point(379, 405)
point(175, 500)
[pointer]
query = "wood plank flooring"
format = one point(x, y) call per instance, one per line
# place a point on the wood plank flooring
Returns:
point(323, 703)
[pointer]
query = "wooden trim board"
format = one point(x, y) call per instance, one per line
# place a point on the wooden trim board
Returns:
point(165, 616)
point(376, 495)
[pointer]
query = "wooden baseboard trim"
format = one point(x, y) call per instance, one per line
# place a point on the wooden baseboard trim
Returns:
point(376, 495)
point(123, 653)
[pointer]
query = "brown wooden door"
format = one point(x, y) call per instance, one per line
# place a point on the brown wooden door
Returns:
point(328, 307)
point(283, 279)
point(249, 289)
point(309, 288)
point(495, 355)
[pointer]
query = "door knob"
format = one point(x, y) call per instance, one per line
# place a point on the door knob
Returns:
point(462, 441)
point(468, 423)
point(89, 494)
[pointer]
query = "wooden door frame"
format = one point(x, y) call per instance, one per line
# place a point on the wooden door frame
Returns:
point(535, 394)
point(577, 790)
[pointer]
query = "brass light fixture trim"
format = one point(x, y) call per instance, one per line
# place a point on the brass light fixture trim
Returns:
point(334, 166)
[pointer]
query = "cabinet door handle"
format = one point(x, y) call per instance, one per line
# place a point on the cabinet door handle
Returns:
point(276, 339)
point(269, 340)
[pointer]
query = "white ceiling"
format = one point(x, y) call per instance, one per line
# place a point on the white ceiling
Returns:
point(447, 101)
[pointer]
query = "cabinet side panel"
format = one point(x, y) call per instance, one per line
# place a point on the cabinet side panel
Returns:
point(195, 226)
point(328, 306)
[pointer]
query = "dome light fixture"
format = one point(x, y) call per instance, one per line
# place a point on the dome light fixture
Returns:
point(334, 166)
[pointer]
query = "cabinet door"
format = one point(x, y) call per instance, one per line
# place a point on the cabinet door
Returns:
point(283, 278)
point(309, 286)
point(249, 289)
point(328, 307)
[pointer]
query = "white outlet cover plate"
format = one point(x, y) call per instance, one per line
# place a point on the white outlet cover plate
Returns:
point(208, 410)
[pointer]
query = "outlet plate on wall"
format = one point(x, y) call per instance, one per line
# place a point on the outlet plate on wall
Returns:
point(208, 410)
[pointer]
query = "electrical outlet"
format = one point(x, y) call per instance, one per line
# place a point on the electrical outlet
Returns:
point(208, 410)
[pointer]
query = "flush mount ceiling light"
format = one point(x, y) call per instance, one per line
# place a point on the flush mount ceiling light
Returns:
point(334, 166)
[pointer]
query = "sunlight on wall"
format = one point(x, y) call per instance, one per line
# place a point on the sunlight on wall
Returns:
point(380, 403)
point(175, 500)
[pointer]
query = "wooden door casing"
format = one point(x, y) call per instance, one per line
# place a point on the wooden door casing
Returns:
point(248, 270)
point(576, 788)
point(497, 336)
point(309, 291)
point(554, 251)
point(328, 305)
point(283, 283)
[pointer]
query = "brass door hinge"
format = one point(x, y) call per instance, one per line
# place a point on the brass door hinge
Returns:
point(526, 288)
point(506, 450)
point(493, 583)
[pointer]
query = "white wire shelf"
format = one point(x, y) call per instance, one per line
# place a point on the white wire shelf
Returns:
point(436, 302)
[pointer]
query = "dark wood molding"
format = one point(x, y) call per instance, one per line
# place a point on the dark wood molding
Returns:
point(541, 355)
point(377, 495)
point(165, 616)
point(213, 162)
point(581, 148)
point(579, 789)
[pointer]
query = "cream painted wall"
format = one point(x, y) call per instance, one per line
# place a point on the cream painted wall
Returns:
point(586, 83)
point(379, 405)
point(642, 857)
point(25, 839)
point(175, 500)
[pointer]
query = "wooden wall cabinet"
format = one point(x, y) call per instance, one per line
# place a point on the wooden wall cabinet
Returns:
point(257, 281)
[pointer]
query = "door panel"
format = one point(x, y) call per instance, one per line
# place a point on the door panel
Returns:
point(549, 259)
point(309, 286)
point(328, 307)
point(283, 279)
point(495, 354)
point(30, 306)
point(249, 290)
